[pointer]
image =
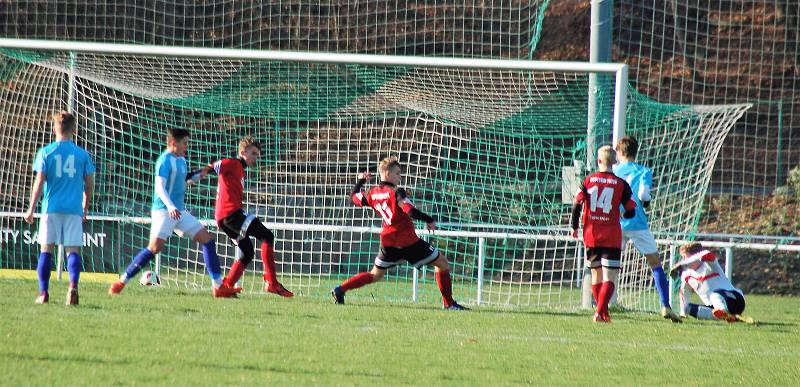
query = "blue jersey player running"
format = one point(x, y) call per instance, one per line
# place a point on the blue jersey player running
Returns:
point(168, 214)
point(635, 229)
point(64, 172)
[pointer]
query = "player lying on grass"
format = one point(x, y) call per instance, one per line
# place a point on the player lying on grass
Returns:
point(700, 270)
point(168, 215)
point(65, 172)
point(600, 197)
point(635, 229)
point(238, 224)
point(399, 241)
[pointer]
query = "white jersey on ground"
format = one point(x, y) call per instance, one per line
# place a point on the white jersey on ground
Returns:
point(703, 273)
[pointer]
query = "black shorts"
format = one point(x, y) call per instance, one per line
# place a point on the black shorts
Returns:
point(235, 225)
point(733, 299)
point(603, 256)
point(419, 254)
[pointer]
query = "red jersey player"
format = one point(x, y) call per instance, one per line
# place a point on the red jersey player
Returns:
point(600, 197)
point(237, 223)
point(399, 241)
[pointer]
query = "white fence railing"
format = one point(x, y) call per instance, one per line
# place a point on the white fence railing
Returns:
point(482, 237)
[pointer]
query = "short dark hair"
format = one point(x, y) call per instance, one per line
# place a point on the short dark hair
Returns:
point(691, 248)
point(177, 134)
point(66, 120)
point(628, 147)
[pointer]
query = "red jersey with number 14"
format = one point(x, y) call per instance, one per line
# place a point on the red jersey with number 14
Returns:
point(230, 186)
point(601, 194)
point(388, 202)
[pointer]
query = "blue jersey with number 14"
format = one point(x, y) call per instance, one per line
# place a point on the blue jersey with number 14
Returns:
point(65, 165)
point(637, 176)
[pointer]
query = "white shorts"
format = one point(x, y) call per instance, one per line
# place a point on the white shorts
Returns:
point(162, 225)
point(61, 229)
point(642, 240)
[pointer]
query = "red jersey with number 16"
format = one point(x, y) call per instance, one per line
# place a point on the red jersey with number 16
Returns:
point(392, 205)
point(230, 187)
point(601, 194)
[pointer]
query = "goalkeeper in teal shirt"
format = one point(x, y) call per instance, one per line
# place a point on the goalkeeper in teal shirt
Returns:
point(635, 229)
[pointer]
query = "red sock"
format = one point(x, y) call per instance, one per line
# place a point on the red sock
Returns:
point(268, 259)
point(357, 281)
point(236, 272)
point(596, 293)
point(446, 287)
point(605, 297)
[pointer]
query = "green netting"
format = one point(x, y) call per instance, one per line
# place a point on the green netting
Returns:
point(484, 150)
point(718, 52)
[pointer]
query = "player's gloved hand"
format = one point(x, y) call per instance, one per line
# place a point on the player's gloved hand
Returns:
point(364, 175)
point(675, 271)
point(574, 233)
point(431, 226)
point(646, 204)
point(196, 176)
point(174, 213)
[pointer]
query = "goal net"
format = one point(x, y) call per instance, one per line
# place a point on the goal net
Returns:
point(490, 152)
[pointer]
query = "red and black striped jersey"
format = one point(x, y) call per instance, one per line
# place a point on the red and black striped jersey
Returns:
point(230, 186)
point(396, 211)
point(600, 196)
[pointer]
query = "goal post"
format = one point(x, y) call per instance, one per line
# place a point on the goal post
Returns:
point(484, 144)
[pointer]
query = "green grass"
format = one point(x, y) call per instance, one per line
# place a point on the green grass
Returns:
point(167, 336)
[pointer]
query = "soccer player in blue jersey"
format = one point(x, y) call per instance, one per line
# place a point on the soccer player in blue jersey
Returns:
point(640, 178)
point(64, 171)
point(168, 215)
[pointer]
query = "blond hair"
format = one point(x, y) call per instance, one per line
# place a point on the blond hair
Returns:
point(65, 120)
point(247, 142)
point(607, 155)
point(691, 248)
point(388, 163)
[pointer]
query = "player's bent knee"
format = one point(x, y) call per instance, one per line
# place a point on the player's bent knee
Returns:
point(377, 273)
point(441, 263)
point(203, 236)
point(155, 246)
point(653, 260)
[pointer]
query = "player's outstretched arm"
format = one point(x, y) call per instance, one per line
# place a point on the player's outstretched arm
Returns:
point(675, 271)
point(198, 174)
point(36, 193)
point(408, 207)
point(357, 194)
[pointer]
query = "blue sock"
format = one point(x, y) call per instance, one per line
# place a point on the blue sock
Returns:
point(212, 262)
point(662, 285)
point(141, 259)
point(74, 268)
point(43, 271)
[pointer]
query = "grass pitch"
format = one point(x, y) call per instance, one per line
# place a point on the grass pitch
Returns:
point(165, 336)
